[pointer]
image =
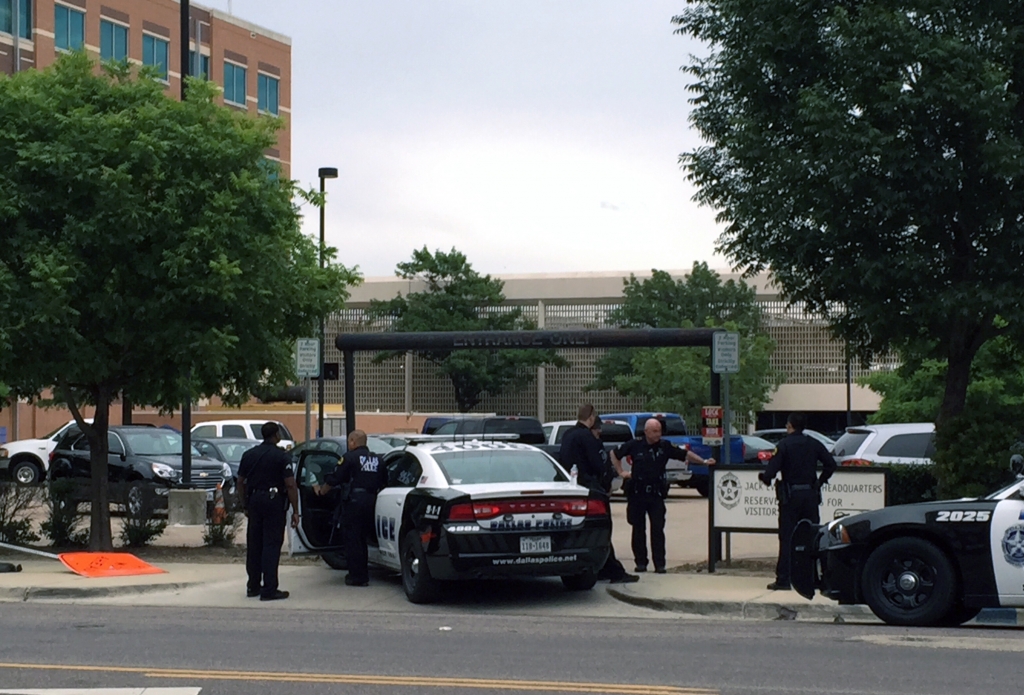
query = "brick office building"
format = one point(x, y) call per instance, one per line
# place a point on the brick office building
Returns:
point(250, 63)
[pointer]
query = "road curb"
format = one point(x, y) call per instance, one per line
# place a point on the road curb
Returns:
point(9, 594)
point(747, 610)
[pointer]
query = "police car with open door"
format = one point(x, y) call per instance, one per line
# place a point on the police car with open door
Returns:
point(458, 509)
point(933, 563)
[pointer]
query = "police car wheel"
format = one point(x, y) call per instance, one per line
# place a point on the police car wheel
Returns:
point(580, 582)
point(959, 615)
point(909, 581)
point(419, 586)
point(336, 561)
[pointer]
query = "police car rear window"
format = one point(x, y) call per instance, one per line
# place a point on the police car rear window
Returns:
point(491, 466)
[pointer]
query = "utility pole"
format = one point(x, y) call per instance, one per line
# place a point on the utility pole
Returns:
point(186, 19)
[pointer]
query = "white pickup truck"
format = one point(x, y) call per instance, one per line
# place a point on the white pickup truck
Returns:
point(28, 460)
point(613, 433)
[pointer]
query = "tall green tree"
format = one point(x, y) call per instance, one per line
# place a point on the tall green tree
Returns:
point(679, 379)
point(975, 460)
point(457, 298)
point(149, 248)
point(870, 156)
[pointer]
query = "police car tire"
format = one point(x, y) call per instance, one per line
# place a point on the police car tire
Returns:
point(336, 561)
point(419, 586)
point(959, 615)
point(579, 582)
point(923, 560)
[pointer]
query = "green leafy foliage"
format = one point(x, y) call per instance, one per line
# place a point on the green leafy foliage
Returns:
point(679, 379)
point(17, 503)
point(457, 298)
point(908, 484)
point(63, 523)
point(140, 531)
point(974, 447)
point(149, 248)
point(221, 533)
point(870, 156)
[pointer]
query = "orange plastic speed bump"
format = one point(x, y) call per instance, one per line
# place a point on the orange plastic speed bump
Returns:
point(94, 565)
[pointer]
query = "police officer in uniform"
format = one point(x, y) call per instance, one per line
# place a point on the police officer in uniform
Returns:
point(266, 485)
point(581, 448)
point(797, 458)
point(647, 488)
point(363, 471)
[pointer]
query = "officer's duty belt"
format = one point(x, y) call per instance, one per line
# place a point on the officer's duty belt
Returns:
point(798, 488)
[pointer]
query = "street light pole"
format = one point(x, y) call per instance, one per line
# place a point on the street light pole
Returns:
point(324, 173)
point(186, 19)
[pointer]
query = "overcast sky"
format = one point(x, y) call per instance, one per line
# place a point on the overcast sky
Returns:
point(535, 136)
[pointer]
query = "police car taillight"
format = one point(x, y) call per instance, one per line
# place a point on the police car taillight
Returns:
point(856, 462)
point(482, 511)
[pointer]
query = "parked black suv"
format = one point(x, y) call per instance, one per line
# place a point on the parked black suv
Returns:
point(143, 464)
point(527, 429)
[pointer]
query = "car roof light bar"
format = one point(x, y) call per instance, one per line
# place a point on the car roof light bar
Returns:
point(425, 438)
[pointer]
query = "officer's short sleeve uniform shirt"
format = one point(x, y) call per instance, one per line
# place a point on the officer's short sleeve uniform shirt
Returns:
point(265, 466)
point(649, 460)
point(362, 468)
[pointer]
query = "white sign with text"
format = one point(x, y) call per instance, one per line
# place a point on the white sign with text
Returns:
point(744, 502)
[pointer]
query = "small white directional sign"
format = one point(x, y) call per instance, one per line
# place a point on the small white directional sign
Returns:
point(725, 353)
point(307, 358)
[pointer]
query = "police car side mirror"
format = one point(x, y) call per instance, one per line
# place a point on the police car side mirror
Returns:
point(1017, 464)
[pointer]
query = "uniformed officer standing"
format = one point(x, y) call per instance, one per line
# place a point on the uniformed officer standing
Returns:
point(264, 480)
point(647, 488)
point(797, 458)
point(582, 449)
point(366, 476)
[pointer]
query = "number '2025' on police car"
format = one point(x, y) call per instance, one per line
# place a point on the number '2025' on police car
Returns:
point(465, 510)
point(934, 563)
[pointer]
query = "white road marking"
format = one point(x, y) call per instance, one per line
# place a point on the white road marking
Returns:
point(105, 691)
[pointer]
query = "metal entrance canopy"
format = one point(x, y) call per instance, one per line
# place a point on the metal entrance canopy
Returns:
point(350, 343)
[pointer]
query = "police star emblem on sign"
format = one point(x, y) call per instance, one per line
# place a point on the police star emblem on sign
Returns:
point(1013, 546)
point(729, 490)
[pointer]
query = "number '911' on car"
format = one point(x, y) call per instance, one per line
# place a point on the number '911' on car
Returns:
point(933, 563)
point(465, 510)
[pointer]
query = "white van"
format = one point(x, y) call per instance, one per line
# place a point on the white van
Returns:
point(241, 429)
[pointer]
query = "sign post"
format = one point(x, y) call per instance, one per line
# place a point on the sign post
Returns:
point(725, 360)
point(307, 366)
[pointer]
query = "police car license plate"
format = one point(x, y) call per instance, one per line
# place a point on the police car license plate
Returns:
point(534, 544)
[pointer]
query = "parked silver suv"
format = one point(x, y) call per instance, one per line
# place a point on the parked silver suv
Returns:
point(883, 445)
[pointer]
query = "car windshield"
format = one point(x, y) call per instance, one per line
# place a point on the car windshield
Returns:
point(1002, 491)
point(849, 443)
point(378, 446)
point(158, 442)
point(499, 466)
point(233, 452)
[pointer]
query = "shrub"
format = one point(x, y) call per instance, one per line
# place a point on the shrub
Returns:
point(16, 502)
point(62, 526)
point(140, 530)
point(913, 483)
point(222, 533)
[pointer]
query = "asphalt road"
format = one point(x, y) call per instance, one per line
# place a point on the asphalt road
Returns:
point(288, 652)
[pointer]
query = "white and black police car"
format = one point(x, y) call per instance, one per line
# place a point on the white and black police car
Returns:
point(933, 563)
point(457, 509)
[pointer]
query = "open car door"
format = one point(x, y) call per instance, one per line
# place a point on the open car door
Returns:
point(319, 529)
point(804, 558)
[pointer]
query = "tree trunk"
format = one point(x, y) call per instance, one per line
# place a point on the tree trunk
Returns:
point(963, 348)
point(100, 537)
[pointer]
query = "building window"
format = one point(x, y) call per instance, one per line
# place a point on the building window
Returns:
point(68, 28)
point(24, 17)
point(202, 68)
point(234, 83)
point(267, 94)
point(154, 52)
point(113, 41)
